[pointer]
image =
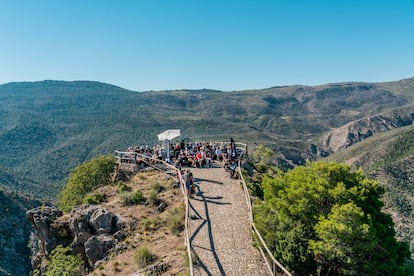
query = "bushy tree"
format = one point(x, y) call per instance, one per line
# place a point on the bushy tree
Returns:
point(63, 263)
point(260, 160)
point(261, 157)
point(84, 179)
point(324, 218)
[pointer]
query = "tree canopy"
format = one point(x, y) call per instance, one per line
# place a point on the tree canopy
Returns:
point(324, 219)
point(84, 179)
point(62, 262)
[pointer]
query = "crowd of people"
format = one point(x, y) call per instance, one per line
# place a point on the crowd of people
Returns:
point(192, 155)
point(184, 156)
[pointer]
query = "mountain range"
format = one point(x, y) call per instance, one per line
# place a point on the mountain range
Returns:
point(47, 128)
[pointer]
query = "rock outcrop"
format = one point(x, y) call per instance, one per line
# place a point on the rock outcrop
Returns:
point(89, 230)
point(353, 132)
point(42, 219)
point(97, 247)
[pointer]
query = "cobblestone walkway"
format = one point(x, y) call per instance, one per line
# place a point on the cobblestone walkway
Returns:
point(220, 228)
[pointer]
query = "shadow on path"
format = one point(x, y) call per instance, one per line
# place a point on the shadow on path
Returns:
point(208, 180)
point(198, 216)
point(210, 232)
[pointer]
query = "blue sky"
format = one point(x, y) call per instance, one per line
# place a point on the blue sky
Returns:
point(217, 44)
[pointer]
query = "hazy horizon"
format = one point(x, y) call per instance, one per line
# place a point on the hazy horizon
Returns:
point(222, 45)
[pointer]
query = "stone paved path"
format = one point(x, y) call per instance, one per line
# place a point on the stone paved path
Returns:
point(221, 236)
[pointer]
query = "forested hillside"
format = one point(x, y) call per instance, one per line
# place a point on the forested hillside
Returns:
point(14, 232)
point(389, 158)
point(49, 127)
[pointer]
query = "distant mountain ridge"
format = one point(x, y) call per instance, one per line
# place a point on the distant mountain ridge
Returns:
point(49, 127)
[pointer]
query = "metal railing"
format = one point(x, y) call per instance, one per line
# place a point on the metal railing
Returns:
point(152, 162)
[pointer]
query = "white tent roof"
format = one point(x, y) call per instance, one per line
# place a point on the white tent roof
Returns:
point(169, 134)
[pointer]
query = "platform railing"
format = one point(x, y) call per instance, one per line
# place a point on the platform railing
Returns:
point(274, 267)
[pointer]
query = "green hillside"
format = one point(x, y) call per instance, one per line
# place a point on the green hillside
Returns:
point(15, 232)
point(389, 158)
point(49, 127)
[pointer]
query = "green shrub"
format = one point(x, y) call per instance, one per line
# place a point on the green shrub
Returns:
point(94, 198)
point(152, 197)
point(84, 179)
point(62, 263)
point(136, 197)
point(175, 221)
point(122, 187)
point(142, 257)
point(151, 223)
point(132, 198)
point(146, 224)
point(155, 189)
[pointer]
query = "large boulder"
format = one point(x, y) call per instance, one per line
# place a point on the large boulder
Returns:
point(97, 248)
point(90, 230)
point(102, 221)
point(87, 221)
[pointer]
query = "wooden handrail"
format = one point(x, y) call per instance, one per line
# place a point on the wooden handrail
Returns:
point(275, 268)
point(183, 190)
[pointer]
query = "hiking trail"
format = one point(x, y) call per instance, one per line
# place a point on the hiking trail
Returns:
point(220, 233)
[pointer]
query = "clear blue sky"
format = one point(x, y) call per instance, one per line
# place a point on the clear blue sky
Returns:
point(217, 44)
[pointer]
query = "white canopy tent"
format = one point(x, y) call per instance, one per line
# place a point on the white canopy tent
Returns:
point(167, 136)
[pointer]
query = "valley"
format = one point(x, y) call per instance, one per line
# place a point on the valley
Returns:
point(48, 128)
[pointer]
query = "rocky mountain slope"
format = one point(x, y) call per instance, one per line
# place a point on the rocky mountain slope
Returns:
point(14, 232)
point(47, 128)
point(108, 236)
point(356, 131)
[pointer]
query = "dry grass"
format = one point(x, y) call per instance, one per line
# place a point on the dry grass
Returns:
point(147, 227)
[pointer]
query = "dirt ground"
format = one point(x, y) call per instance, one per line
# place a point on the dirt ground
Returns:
point(147, 226)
